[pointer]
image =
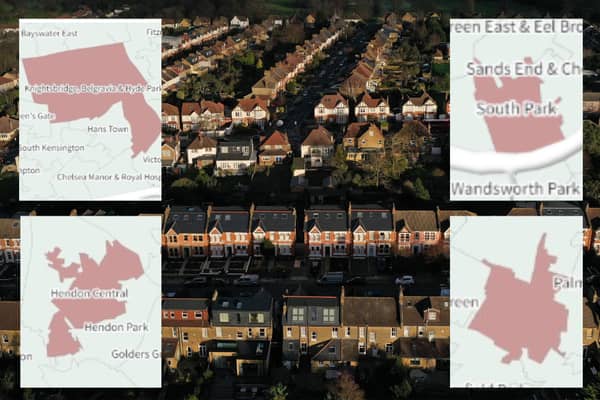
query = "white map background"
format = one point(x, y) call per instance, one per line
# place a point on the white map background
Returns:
point(105, 153)
point(475, 361)
point(93, 365)
point(469, 131)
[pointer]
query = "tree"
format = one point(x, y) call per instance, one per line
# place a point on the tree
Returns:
point(267, 247)
point(401, 391)
point(278, 392)
point(421, 191)
point(591, 391)
point(591, 138)
point(339, 163)
point(346, 388)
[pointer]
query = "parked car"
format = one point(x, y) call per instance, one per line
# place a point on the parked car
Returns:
point(405, 280)
point(221, 281)
point(197, 281)
point(246, 280)
point(331, 278)
point(356, 280)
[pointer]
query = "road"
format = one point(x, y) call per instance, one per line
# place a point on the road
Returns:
point(331, 71)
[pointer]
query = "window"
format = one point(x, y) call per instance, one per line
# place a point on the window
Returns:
point(429, 235)
point(289, 332)
point(328, 314)
point(223, 317)
point(198, 315)
point(297, 314)
point(405, 331)
point(240, 335)
point(172, 315)
point(334, 332)
point(361, 332)
point(291, 346)
point(303, 348)
point(184, 315)
point(185, 336)
point(262, 332)
point(174, 332)
point(347, 331)
point(404, 237)
point(389, 348)
point(431, 315)
point(249, 332)
point(313, 336)
point(218, 331)
point(257, 318)
point(165, 314)
point(4, 339)
point(372, 337)
point(417, 235)
point(302, 331)
point(204, 332)
point(415, 361)
point(202, 350)
point(189, 351)
point(332, 350)
point(362, 349)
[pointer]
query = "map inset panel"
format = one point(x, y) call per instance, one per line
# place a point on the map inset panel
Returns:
point(89, 109)
point(516, 94)
point(90, 302)
point(516, 298)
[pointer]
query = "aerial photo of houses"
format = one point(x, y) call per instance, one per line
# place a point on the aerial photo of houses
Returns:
point(305, 197)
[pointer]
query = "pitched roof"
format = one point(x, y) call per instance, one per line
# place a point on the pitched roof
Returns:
point(444, 217)
point(169, 109)
point(357, 129)
point(185, 304)
point(188, 108)
point(420, 100)
point(251, 103)
point(319, 137)
point(372, 217)
point(330, 101)
point(371, 101)
point(259, 301)
point(274, 219)
point(590, 314)
point(372, 311)
point(277, 138)
point(8, 124)
point(213, 107)
point(326, 218)
point(593, 214)
point(413, 308)
point(10, 228)
point(9, 315)
point(416, 220)
point(522, 211)
point(229, 219)
point(423, 348)
point(202, 142)
point(183, 219)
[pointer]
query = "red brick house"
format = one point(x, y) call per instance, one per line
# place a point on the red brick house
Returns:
point(277, 225)
point(417, 232)
point(229, 231)
point(372, 228)
point(184, 232)
point(326, 232)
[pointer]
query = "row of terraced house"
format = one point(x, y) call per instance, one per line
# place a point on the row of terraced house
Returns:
point(329, 231)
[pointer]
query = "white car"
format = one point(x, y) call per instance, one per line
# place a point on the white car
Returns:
point(405, 280)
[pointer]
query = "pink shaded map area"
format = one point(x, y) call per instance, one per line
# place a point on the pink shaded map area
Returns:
point(101, 65)
point(118, 264)
point(518, 315)
point(516, 134)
